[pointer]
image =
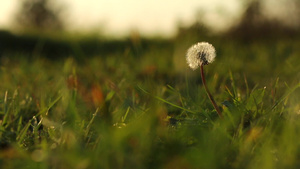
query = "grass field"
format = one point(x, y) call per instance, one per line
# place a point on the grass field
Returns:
point(147, 109)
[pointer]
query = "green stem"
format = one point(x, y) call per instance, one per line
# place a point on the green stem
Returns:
point(208, 93)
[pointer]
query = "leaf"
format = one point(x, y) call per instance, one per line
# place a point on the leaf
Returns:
point(23, 132)
point(256, 98)
point(97, 95)
point(45, 110)
point(285, 96)
point(174, 105)
point(231, 110)
point(110, 95)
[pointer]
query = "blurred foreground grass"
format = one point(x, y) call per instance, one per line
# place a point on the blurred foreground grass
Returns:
point(148, 110)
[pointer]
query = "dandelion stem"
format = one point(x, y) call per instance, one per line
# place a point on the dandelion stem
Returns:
point(208, 93)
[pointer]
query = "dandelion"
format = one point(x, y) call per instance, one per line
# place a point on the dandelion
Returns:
point(199, 55)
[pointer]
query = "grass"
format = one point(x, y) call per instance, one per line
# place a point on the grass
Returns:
point(149, 110)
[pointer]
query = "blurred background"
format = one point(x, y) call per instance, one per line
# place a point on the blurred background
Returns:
point(116, 17)
point(80, 28)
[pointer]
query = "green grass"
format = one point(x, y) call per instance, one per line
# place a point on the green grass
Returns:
point(149, 110)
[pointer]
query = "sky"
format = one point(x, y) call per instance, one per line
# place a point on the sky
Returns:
point(120, 17)
point(149, 17)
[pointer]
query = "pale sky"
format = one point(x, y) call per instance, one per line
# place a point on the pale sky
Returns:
point(149, 17)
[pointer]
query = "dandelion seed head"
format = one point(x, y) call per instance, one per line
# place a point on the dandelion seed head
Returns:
point(199, 54)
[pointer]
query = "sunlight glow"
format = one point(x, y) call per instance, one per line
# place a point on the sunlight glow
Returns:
point(119, 17)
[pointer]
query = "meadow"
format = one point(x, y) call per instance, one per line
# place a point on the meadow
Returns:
point(142, 107)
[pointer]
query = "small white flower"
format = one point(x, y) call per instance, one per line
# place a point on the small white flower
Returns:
point(199, 54)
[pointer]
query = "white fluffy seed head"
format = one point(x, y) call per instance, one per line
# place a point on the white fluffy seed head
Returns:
point(199, 54)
